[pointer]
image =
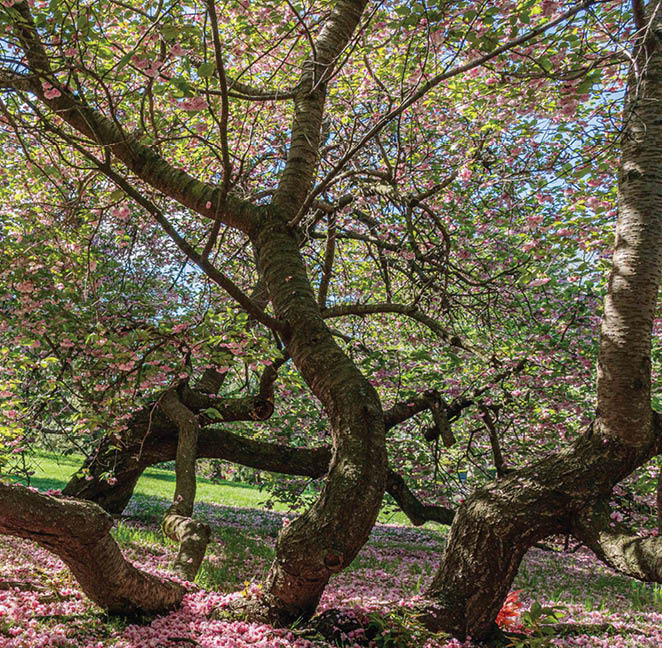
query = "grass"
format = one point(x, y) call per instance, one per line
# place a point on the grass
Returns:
point(53, 471)
point(577, 580)
point(396, 563)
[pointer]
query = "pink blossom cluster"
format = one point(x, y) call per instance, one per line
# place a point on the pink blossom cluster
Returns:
point(50, 92)
point(192, 104)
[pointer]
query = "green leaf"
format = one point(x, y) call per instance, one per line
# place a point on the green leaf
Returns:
point(170, 32)
point(182, 86)
point(536, 610)
point(213, 413)
point(124, 60)
point(206, 70)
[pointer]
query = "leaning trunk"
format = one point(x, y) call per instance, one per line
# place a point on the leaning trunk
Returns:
point(327, 537)
point(497, 525)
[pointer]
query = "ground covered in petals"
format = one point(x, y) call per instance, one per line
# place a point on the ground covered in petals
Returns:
point(41, 605)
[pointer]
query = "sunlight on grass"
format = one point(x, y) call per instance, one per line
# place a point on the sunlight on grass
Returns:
point(53, 471)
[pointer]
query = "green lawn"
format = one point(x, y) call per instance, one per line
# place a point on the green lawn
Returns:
point(53, 471)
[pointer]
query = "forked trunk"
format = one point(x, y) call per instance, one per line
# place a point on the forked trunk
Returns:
point(497, 525)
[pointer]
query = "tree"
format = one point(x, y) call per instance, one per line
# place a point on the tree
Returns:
point(342, 194)
point(569, 491)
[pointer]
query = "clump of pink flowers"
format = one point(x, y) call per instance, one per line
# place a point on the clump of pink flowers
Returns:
point(49, 91)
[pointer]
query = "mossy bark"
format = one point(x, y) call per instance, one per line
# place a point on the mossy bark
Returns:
point(325, 539)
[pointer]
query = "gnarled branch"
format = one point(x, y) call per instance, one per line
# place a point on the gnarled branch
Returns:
point(617, 546)
point(79, 533)
point(178, 525)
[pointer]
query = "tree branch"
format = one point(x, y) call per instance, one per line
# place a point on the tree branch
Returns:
point(202, 262)
point(342, 310)
point(161, 445)
point(211, 381)
point(248, 93)
point(639, 15)
point(424, 89)
point(302, 158)
point(617, 546)
point(244, 91)
point(405, 410)
point(140, 159)
point(327, 269)
point(417, 512)
point(222, 127)
point(79, 533)
point(490, 426)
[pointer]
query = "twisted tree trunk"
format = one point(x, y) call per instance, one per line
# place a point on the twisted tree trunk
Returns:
point(324, 540)
point(497, 525)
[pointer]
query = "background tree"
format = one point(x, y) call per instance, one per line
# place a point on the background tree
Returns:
point(410, 194)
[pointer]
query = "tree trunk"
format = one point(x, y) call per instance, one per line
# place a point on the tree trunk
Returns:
point(78, 532)
point(325, 539)
point(497, 525)
point(178, 525)
point(624, 362)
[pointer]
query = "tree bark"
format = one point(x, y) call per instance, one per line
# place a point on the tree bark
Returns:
point(496, 526)
point(78, 532)
point(617, 546)
point(178, 525)
point(623, 386)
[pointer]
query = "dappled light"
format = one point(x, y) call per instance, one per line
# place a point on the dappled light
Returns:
point(330, 323)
